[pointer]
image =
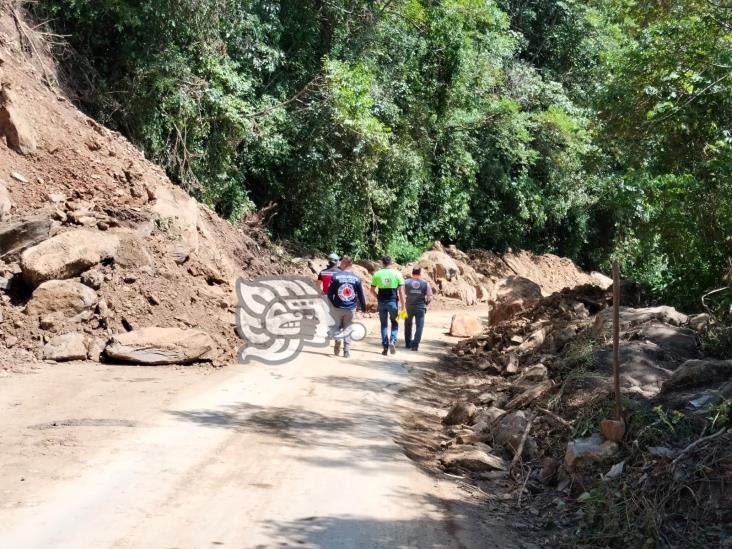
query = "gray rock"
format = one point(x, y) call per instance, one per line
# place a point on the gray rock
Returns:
point(485, 418)
point(680, 342)
point(65, 347)
point(15, 126)
point(644, 366)
point(593, 448)
point(537, 372)
point(21, 234)
point(460, 412)
point(161, 346)
point(661, 452)
point(473, 458)
point(700, 322)
point(630, 317)
point(489, 367)
point(508, 432)
point(95, 348)
point(531, 394)
point(512, 365)
point(698, 373)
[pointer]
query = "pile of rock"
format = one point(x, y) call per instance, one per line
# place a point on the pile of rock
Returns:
point(548, 366)
point(78, 282)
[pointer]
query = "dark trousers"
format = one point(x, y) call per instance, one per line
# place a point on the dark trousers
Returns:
point(388, 310)
point(414, 315)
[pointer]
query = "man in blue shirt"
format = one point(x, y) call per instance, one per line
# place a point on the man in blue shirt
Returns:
point(345, 293)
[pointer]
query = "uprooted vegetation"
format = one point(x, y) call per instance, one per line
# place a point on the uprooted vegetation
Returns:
point(526, 423)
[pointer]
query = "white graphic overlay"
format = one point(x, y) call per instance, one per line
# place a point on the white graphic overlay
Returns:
point(278, 317)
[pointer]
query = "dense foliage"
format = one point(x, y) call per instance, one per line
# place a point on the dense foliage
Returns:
point(585, 128)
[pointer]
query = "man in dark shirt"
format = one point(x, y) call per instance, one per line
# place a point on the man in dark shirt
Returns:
point(345, 293)
point(326, 274)
point(419, 294)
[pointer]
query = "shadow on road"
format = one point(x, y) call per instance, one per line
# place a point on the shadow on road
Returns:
point(437, 525)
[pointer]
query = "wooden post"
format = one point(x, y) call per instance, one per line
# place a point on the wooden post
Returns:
point(616, 339)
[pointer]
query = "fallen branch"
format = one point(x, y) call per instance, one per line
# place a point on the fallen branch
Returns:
point(523, 487)
point(697, 443)
point(556, 418)
point(520, 450)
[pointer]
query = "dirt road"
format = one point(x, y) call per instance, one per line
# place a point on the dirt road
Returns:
point(304, 454)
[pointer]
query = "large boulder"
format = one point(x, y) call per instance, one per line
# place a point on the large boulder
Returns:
point(5, 203)
point(161, 346)
point(177, 213)
point(19, 235)
point(601, 280)
point(62, 301)
point(14, 126)
point(459, 289)
point(630, 317)
point(679, 342)
point(438, 265)
point(698, 373)
point(473, 458)
point(513, 295)
point(465, 325)
point(644, 366)
point(66, 255)
point(66, 347)
point(369, 265)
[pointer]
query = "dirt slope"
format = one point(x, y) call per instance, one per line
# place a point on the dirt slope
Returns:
point(178, 258)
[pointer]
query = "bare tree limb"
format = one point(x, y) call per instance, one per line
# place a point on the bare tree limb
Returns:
point(697, 443)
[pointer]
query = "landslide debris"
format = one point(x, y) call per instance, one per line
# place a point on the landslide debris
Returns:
point(97, 244)
point(538, 384)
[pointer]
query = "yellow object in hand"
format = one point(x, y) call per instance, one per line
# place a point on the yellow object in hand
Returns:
point(402, 315)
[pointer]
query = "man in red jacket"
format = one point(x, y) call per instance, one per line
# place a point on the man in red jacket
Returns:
point(326, 274)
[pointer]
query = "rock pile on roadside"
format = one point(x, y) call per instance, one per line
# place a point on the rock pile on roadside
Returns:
point(101, 256)
point(539, 387)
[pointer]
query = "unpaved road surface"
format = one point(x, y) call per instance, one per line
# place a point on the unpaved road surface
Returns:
point(302, 454)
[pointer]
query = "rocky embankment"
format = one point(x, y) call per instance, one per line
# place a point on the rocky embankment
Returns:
point(531, 417)
point(101, 256)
